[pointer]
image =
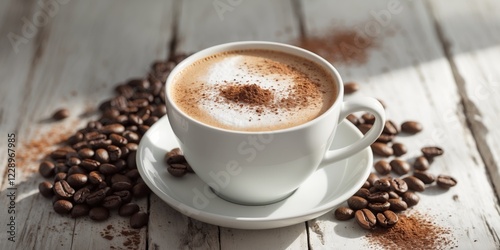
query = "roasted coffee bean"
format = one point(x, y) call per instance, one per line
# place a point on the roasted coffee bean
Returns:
point(378, 197)
point(445, 181)
point(372, 178)
point(398, 205)
point(140, 190)
point(368, 118)
point(63, 190)
point(132, 146)
point(122, 185)
point(47, 169)
point(133, 174)
point(151, 120)
point(45, 189)
point(382, 167)
point(120, 178)
point(95, 177)
point(60, 114)
point(364, 128)
point(383, 184)
point(411, 127)
point(366, 185)
point(424, 176)
point(135, 120)
point(112, 202)
point(97, 196)
point(101, 143)
point(94, 126)
point(77, 180)
point(143, 129)
point(118, 140)
point(139, 220)
point(350, 87)
point(76, 170)
point(390, 128)
point(125, 152)
point(60, 176)
point(101, 155)
point(122, 119)
point(353, 119)
point(94, 135)
point(177, 170)
point(111, 113)
point(160, 110)
point(400, 167)
point(80, 210)
point(81, 195)
point(58, 154)
point(421, 163)
point(398, 185)
point(114, 153)
point(379, 207)
point(108, 169)
point(90, 164)
point(431, 152)
point(128, 209)
point(131, 136)
point(382, 149)
point(362, 192)
point(365, 218)
point(80, 145)
point(385, 138)
point(387, 219)
point(344, 213)
point(392, 194)
point(61, 167)
point(120, 164)
point(99, 213)
point(125, 195)
point(115, 128)
point(411, 198)
point(77, 137)
point(62, 206)
point(414, 183)
point(356, 202)
point(399, 149)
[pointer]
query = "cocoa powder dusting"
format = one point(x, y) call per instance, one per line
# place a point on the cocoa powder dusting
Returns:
point(344, 46)
point(251, 94)
point(414, 231)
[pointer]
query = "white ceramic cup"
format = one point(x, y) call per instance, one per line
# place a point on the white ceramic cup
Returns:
point(255, 168)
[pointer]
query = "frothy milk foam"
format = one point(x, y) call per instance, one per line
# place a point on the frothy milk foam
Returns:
point(301, 90)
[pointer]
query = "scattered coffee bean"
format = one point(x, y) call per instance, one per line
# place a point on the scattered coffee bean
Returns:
point(128, 209)
point(398, 205)
point(431, 152)
point(115, 128)
point(76, 170)
point(411, 198)
point(382, 149)
point(393, 195)
point(383, 184)
point(378, 197)
point(125, 195)
point(77, 180)
point(177, 170)
point(139, 220)
point(368, 118)
point(350, 87)
point(414, 183)
point(424, 176)
point(445, 181)
point(45, 189)
point(90, 164)
point(99, 213)
point(400, 167)
point(63, 190)
point(140, 190)
point(362, 192)
point(366, 185)
point(80, 210)
point(382, 167)
point(96, 197)
point(385, 138)
point(387, 219)
point(60, 114)
point(122, 185)
point(390, 128)
point(47, 169)
point(353, 119)
point(96, 177)
point(372, 178)
point(101, 155)
point(421, 163)
point(81, 195)
point(344, 213)
point(62, 206)
point(112, 202)
point(365, 218)
point(411, 127)
point(356, 202)
point(364, 128)
point(399, 149)
point(398, 185)
point(379, 207)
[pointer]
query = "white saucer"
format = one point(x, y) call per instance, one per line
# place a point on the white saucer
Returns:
point(320, 193)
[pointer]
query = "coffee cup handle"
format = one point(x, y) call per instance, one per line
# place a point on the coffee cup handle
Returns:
point(367, 104)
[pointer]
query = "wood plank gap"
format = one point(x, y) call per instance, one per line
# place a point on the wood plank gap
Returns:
point(308, 236)
point(470, 109)
point(299, 13)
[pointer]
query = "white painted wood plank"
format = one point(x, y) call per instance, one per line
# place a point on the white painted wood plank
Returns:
point(73, 61)
point(291, 237)
point(410, 73)
point(473, 30)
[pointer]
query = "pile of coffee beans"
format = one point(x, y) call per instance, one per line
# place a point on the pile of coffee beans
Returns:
point(383, 196)
point(177, 165)
point(95, 170)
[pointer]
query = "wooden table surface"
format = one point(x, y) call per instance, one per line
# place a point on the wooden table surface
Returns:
point(435, 61)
